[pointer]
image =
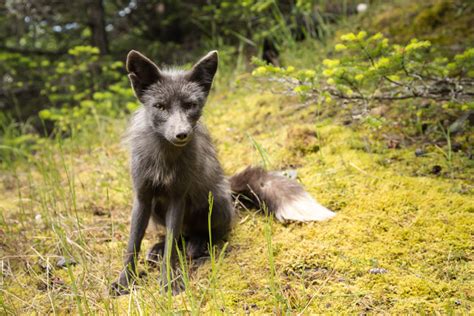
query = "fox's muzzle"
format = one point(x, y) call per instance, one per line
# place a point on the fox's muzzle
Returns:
point(180, 129)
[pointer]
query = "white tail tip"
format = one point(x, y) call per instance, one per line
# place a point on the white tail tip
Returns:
point(303, 209)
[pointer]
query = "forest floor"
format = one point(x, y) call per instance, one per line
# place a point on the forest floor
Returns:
point(401, 241)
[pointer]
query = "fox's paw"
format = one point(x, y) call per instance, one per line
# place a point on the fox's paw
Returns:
point(116, 289)
point(197, 248)
point(176, 285)
point(122, 285)
point(155, 254)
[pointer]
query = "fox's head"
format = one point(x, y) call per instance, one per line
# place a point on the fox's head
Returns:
point(173, 99)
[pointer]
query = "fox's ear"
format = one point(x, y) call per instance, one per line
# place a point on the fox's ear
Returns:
point(141, 71)
point(204, 70)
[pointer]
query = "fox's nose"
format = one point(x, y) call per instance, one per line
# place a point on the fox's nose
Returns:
point(182, 136)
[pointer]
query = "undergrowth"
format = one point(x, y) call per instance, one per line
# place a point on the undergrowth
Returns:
point(71, 200)
point(401, 241)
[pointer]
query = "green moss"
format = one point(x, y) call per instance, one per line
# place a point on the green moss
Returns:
point(447, 24)
point(418, 228)
point(73, 199)
point(387, 218)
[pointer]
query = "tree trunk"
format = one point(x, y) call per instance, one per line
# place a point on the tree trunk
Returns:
point(97, 24)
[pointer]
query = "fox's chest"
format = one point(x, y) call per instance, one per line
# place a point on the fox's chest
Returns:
point(193, 203)
point(165, 174)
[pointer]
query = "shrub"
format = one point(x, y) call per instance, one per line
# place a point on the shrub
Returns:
point(367, 69)
point(78, 99)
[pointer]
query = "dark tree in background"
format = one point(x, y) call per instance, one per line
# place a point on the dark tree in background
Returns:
point(114, 26)
point(37, 36)
point(96, 15)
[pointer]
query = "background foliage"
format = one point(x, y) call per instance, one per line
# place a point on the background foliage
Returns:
point(61, 70)
point(372, 103)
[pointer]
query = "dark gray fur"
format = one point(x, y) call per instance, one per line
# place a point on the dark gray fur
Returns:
point(174, 167)
point(173, 174)
point(254, 187)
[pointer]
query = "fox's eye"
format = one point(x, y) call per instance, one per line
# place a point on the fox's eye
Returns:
point(190, 105)
point(159, 106)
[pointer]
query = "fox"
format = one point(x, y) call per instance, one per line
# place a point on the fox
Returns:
point(174, 169)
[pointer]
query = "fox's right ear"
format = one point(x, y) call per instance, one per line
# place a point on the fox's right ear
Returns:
point(142, 72)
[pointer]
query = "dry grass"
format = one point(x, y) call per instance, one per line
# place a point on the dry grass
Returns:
point(74, 201)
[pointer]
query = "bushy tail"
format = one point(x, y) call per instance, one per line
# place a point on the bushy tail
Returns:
point(284, 197)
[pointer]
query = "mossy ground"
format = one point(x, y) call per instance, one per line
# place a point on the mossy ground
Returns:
point(73, 199)
point(440, 21)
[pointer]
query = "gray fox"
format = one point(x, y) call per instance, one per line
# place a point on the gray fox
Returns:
point(174, 168)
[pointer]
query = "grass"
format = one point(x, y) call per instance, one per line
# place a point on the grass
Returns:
point(72, 199)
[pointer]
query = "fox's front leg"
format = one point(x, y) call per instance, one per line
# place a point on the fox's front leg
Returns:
point(170, 275)
point(140, 217)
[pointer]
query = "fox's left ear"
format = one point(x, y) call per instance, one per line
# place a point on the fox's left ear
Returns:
point(204, 70)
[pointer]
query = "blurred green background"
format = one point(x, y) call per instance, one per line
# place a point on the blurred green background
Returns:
point(69, 54)
point(370, 102)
